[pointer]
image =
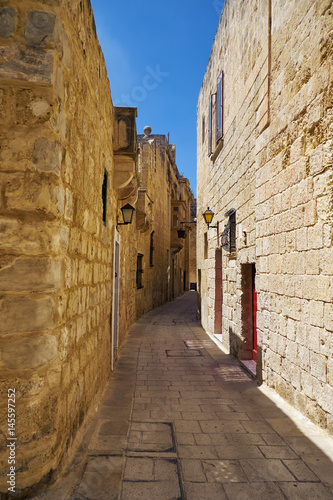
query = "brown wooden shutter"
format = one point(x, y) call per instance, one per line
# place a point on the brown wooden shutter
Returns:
point(210, 126)
point(219, 108)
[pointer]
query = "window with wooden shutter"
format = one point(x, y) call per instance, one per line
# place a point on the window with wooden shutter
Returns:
point(210, 126)
point(219, 108)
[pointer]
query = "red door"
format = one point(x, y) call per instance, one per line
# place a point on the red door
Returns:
point(254, 309)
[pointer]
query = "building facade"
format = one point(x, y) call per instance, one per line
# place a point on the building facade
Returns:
point(155, 262)
point(265, 157)
point(70, 275)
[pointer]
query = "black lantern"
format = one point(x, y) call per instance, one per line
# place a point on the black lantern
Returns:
point(208, 216)
point(181, 233)
point(128, 212)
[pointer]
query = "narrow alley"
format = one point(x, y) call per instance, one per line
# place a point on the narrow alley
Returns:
point(181, 420)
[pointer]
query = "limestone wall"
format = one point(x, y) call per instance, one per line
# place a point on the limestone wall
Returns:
point(274, 167)
point(55, 252)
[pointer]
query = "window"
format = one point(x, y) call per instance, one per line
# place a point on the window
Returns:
point(228, 238)
point(139, 270)
point(175, 221)
point(151, 255)
point(105, 195)
point(219, 108)
point(215, 119)
point(210, 126)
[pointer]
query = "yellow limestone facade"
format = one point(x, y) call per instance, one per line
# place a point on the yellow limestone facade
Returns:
point(265, 156)
point(68, 274)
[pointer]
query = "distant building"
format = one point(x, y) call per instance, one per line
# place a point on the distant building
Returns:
point(265, 170)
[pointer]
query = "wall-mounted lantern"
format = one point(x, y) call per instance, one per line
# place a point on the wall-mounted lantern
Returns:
point(127, 212)
point(181, 232)
point(208, 216)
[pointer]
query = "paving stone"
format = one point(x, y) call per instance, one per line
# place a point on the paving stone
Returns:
point(257, 491)
point(185, 438)
point(258, 470)
point(223, 471)
point(101, 479)
point(284, 427)
point(258, 427)
point(300, 470)
point(213, 426)
point(203, 439)
point(229, 415)
point(242, 439)
point(196, 451)
point(165, 470)
point(204, 491)
point(139, 469)
point(305, 491)
point(236, 452)
point(198, 415)
point(114, 445)
point(188, 426)
point(303, 446)
point(273, 439)
point(157, 490)
point(322, 467)
point(277, 452)
point(113, 428)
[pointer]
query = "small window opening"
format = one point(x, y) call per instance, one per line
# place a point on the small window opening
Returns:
point(151, 255)
point(139, 270)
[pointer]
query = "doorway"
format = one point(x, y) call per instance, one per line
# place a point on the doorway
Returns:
point(254, 314)
point(218, 295)
point(249, 313)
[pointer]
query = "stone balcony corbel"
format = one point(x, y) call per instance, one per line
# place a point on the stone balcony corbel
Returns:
point(125, 150)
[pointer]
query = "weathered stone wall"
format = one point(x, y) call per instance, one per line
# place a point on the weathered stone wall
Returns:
point(274, 167)
point(68, 163)
point(55, 254)
point(294, 210)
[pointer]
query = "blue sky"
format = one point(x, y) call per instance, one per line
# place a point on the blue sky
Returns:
point(156, 55)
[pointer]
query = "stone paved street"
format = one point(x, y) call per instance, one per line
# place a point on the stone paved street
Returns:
point(181, 420)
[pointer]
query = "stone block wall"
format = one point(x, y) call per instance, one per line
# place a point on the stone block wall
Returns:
point(55, 251)
point(274, 167)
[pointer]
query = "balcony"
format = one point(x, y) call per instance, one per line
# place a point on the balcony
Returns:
point(125, 152)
